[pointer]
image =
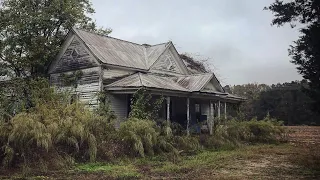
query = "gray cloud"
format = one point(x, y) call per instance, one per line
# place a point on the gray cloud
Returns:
point(236, 35)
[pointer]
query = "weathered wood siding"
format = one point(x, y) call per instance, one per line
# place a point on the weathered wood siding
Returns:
point(169, 62)
point(119, 106)
point(87, 88)
point(111, 75)
point(75, 57)
point(210, 87)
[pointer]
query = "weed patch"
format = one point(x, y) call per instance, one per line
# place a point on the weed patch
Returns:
point(113, 170)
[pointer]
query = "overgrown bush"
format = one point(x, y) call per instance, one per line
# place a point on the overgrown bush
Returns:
point(145, 137)
point(234, 133)
point(144, 106)
point(140, 136)
point(53, 130)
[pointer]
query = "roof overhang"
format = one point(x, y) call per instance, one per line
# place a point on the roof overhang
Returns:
point(167, 92)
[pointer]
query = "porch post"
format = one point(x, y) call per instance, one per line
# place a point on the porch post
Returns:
point(188, 115)
point(168, 109)
point(219, 105)
point(225, 110)
point(211, 118)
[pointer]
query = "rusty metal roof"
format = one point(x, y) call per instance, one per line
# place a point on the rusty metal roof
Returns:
point(193, 82)
point(186, 84)
point(190, 83)
point(118, 52)
point(147, 80)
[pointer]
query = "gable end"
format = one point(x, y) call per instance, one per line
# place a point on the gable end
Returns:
point(75, 56)
point(169, 62)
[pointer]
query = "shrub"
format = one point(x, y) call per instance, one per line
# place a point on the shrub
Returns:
point(233, 133)
point(140, 136)
point(53, 128)
point(186, 144)
point(144, 137)
point(144, 105)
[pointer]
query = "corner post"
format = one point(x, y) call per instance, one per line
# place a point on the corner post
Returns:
point(225, 110)
point(219, 106)
point(168, 109)
point(211, 120)
point(188, 115)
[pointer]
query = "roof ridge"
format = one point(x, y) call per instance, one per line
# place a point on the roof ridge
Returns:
point(160, 44)
point(198, 74)
point(108, 36)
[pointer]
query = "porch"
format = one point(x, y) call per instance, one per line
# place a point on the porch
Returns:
point(192, 112)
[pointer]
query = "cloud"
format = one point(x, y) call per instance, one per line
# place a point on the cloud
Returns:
point(236, 35)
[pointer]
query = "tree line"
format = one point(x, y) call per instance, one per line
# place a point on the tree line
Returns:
point(284, 101)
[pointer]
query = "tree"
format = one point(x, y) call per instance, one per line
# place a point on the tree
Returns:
point(285, 102)
point(305, 52)
point(32, 31)
point(31, 34)
point(251, 92)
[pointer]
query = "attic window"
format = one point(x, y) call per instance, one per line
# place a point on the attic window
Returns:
point(75, 54)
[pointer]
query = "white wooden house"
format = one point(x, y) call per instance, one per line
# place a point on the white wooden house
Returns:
point(119, 68)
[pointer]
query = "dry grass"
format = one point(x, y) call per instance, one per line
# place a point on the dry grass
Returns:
point(298, 159)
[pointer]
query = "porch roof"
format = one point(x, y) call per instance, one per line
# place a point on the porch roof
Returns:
point(146, 80)
point(169, 85)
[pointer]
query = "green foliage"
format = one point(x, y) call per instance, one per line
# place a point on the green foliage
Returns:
point(305, 52)
point(234, 133)
point(114, 170)
point(71, 79)
point(285, 101)
point(104, 107)
point(31, 35)
point(139, 136)
point(53, 127)
point(143, 106)
point(32, 32)
point(143, 137)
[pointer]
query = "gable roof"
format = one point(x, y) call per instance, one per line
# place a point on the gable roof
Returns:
point(154, 52)
point(119, 52)
point(114, 51)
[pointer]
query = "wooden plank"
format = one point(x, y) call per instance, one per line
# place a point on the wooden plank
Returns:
point(219, 107)
point(225, 110)
point(188, 115)
point(168, 108)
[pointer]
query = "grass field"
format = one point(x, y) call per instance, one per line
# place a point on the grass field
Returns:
point(298, 159)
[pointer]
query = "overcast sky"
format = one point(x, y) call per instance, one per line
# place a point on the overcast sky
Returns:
point(236, 35)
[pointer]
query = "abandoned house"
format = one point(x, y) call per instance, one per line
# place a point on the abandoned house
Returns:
point(119, 68)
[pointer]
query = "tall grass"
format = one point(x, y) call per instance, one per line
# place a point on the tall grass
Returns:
point(53, 132)
point(58, 133)
point(234, 133)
